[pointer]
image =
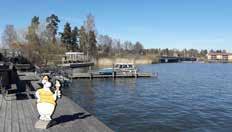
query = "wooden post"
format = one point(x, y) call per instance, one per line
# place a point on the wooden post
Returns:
point(72, 75)
point(135, 74)
point(90, 73)
point(90, 76)
point(113, 74)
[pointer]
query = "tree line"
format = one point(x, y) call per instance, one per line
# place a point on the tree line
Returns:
point(41, 42)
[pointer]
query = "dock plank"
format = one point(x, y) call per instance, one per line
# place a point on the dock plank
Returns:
point(8, 117)
point(3, 114)
point(15, 117)
point(85, 118)
point(34, 114)
point(27, 115)
point(1, 99)
point(59, 112)
point(22, 123)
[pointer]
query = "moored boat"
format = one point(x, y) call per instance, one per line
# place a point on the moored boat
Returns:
point(119, 68)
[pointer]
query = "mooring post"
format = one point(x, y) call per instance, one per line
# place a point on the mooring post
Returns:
point(113, 74)
point(90, 73)
point(91, 76)
point(135, 74)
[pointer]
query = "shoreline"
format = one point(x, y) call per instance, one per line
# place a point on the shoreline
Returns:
point(107, 61)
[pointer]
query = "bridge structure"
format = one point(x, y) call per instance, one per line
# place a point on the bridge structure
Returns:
point(170, 59)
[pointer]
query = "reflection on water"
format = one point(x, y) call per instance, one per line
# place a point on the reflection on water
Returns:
point(129, 83)
point(185, 97)
point(85, 87)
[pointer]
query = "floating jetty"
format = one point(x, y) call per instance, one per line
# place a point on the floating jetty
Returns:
point(96, 75)
point(76, 65)
point(18, 111)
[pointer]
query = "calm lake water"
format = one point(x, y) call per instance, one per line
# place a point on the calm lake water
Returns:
point(185, 97)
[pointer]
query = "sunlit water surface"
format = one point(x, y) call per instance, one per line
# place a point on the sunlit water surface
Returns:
point(185, 97)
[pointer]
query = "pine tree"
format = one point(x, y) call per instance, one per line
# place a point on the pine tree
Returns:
point(74, 39)
point(66, 36)
point(52, 27)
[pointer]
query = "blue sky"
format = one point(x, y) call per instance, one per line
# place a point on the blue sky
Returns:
point(156, 23)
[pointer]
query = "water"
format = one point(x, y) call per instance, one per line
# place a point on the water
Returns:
point(185, 97)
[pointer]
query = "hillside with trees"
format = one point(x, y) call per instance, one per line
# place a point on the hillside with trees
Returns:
point(42, 44)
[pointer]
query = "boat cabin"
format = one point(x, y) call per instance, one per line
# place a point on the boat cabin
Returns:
point(125, 67)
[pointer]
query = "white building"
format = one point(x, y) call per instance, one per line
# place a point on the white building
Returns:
point(75, 57)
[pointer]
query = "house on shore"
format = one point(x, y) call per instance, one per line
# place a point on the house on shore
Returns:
point(73, 57)
point(219, 57)
point(75, 60)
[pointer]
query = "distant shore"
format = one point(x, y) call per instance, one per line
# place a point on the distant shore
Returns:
point(108, 61)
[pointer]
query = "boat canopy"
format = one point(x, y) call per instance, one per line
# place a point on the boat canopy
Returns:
point(124, 65)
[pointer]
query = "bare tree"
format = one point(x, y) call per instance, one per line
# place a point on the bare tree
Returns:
point(105, 43)
point(9, 36)
point(89, 24)
point(128, 46)
point(138, 47)
point(116, 46)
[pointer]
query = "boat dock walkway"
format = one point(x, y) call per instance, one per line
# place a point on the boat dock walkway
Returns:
point(18, 112)
point(94, 75)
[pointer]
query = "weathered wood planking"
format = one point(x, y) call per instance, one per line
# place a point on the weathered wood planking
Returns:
point(15, 117)
point(2, 114)
point(20, 116)
point(22, 119)
point(8, 117)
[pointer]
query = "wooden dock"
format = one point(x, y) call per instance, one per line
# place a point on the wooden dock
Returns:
point(94, 75)
point(18, 112)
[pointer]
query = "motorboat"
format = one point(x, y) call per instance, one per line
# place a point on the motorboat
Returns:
point(119, 68)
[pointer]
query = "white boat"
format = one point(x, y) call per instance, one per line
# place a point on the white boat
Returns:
point(125, 67)
point(119, 68)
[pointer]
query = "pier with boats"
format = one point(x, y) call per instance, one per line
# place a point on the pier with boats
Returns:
point(19, 82)
point(119, 70)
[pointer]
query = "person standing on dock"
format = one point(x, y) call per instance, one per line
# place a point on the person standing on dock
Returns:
point(46, 99)
point(57, 88)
